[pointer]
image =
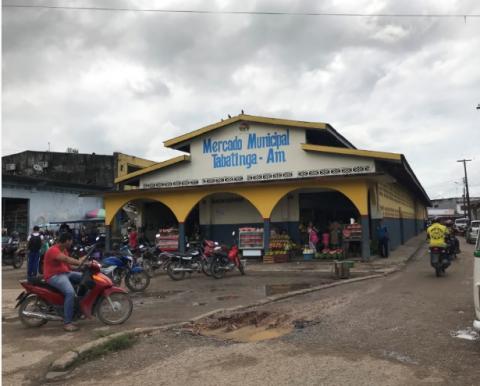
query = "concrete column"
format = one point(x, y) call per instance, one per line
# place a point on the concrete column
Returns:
point(365, 239)
point(181, 237)
point(266, 234)
point(108, 237)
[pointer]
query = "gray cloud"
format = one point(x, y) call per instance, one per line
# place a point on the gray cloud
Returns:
point(107, 81)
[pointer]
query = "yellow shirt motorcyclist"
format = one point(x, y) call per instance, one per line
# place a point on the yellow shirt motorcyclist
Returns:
point(436, 235)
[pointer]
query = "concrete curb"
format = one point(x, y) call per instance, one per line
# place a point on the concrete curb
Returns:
point(62, 366)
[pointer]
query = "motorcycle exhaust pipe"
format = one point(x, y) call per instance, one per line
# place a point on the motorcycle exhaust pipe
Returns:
point(42, 316)
point(182, 270)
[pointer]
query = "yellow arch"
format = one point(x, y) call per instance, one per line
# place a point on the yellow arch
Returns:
point(356, 192)
point(264, 197)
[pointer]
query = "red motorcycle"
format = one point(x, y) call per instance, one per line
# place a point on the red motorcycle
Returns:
point(96, 295)
point(224, 261)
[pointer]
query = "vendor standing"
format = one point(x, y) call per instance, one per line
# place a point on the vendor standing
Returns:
point(382, 235)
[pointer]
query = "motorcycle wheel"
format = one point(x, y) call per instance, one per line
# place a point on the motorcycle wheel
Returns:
point(241, 268)
point(121, 311)
point(18, 261)
point(148, 268)
point(216, 271)
point(32, 304)
point(137, 281)
point(175, 275)
point(206, 268)
point(438, 271)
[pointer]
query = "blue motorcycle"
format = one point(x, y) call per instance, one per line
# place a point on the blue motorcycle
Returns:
point(123, 266)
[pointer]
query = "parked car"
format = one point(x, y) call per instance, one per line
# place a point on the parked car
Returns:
point(476, 284)
point(472, 232)
point(461, 225)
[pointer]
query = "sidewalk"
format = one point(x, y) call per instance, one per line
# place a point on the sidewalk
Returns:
point(397, 258)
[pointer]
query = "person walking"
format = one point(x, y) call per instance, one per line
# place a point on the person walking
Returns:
point(382, 236)
point(35, 241)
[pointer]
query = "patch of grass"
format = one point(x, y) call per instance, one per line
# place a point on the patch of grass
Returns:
point(116, 344)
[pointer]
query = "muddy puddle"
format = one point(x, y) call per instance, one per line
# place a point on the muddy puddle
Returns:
point(249, 326)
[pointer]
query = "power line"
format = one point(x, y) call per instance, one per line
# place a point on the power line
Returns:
point(259, 13)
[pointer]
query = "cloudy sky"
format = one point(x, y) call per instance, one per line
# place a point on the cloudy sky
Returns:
point(104, 81)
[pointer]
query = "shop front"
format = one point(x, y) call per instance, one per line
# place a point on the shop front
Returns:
point(272, 181)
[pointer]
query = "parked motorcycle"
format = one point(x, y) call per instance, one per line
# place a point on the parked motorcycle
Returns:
point(118, 267)
point(96, 295)
point(439, 260)
point(224, 262)
point(181, 263)
point(153, 260)
point(12, 253)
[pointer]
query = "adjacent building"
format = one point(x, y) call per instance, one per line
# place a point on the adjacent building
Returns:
point(43, 187)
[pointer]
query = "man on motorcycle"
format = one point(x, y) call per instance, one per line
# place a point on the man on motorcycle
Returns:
point(57, 273)
point(436, 234)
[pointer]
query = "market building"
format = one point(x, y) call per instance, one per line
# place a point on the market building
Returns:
point(268, 177)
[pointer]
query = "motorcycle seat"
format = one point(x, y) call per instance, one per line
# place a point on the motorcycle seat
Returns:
point(42, 283)
point(187, 255)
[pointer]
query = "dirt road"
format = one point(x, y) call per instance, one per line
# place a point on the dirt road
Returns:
point(399, 330)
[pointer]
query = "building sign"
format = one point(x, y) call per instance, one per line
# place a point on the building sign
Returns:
point(253, 153)
point(247, 152)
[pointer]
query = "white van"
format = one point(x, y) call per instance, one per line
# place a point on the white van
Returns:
point(476, 284)
point(461, 225)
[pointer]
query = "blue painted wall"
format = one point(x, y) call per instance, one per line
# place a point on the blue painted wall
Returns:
point(394, 227)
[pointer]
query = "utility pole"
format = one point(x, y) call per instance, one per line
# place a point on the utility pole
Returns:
point(464, 161)
point(464, 203)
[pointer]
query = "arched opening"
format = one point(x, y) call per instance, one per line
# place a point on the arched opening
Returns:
point(327, 209)
point(147, 215)
point(218, 214)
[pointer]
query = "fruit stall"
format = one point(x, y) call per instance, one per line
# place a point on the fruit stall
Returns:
point(280, 247)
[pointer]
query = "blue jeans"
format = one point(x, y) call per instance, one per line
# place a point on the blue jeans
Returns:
point(63, 282)
point(32, 267)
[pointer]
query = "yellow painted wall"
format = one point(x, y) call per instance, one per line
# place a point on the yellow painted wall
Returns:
point(264, 197)
point(394, 198)
point(123, 160)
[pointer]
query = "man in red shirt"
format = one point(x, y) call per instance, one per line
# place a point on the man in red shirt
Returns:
point(132, 238)
point(57, 273)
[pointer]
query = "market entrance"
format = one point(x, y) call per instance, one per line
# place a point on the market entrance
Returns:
point(149, 217)
point(217, 215)
point(334, 218)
